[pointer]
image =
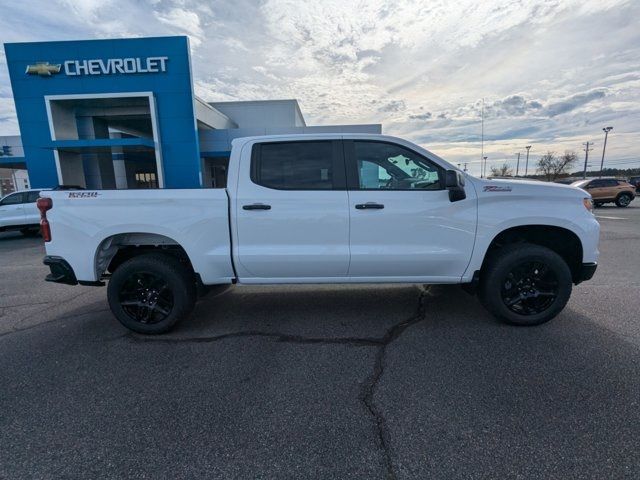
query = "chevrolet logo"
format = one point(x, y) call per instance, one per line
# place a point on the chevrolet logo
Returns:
point(44, 69)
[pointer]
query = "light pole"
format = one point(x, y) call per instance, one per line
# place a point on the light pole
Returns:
point(526, 164)
point(606, 131)
point(484, 168)
point(518, 164)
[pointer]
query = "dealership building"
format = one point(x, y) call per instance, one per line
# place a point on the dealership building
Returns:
point(122, 113)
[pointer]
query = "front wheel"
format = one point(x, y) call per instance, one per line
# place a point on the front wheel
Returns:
point(623, 200)
point(151, 293)
point(525, 284)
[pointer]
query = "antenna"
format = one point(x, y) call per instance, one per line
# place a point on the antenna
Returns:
point(482, 139)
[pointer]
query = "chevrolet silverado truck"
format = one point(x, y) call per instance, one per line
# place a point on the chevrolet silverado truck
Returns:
point(340, 208)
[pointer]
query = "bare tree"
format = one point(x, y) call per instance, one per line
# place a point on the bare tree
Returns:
point(551, 166)
point(503, 170)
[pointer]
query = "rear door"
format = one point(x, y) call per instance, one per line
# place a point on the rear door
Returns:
point(403, 224)
point(12, 210)
point(291, 212)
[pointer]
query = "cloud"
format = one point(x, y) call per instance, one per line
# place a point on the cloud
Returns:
point(420, 116)
point(183, 21)
point(392, 106)
point(574, 101)
point(547, 80)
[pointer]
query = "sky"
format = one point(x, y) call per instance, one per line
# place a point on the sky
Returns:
point(550, 74)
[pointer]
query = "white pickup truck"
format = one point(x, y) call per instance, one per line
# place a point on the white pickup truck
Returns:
point(325, 209)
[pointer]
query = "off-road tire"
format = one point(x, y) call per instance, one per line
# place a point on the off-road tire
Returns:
point(177, 278)
point(496, 272)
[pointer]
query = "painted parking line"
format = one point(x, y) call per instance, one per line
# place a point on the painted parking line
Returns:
point(610, 218)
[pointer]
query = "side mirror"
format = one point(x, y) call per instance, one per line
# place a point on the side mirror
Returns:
point(454, 182)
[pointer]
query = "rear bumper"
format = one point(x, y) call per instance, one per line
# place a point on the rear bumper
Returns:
point(61, 271)
point(586, 272)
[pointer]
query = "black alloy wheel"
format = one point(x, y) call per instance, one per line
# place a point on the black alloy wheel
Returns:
point(152, 292)
point(146, 298)
point(529, 288)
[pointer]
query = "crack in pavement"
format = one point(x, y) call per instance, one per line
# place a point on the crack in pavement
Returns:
point(279, 337)
point(368, 387)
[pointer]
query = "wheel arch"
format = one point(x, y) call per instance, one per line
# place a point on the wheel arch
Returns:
point(118, 248)
point(563, 241)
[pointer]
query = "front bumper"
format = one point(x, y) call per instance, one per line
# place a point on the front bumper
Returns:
point(586, 272)
point(61, 271)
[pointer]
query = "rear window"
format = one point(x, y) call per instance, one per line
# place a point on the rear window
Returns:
point(294, 165)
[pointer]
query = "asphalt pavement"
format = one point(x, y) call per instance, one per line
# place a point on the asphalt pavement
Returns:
point(322, 381)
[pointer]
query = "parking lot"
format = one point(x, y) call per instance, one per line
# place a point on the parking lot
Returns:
point(322, 381)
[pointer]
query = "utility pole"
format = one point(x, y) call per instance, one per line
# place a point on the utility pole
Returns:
point(526, 165)
point(485, 166)
point(586, 157)
point(606, 131)
point(482, 139)
point(518, 164)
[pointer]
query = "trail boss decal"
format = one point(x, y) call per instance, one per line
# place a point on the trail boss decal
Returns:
point(83, 194)
point(496, 188)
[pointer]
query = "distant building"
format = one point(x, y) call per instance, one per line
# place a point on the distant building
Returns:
point(111, 114)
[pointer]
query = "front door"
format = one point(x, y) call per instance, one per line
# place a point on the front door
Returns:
point(292, 213)
point(402, 221)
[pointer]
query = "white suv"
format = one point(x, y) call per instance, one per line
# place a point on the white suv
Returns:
point(18, 211)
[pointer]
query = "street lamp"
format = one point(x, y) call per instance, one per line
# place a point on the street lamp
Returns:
point(606, 131)
point(484, 168)
point(526, 164)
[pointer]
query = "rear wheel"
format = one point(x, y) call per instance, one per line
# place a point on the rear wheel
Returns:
point(623, 200)
point(525, 284)
point(151, 293)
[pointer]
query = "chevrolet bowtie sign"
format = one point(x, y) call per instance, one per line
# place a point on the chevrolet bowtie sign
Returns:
point(44, 69)
point(101, 67)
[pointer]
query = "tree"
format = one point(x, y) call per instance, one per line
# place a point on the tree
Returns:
point(551, 166)
point(503, 170)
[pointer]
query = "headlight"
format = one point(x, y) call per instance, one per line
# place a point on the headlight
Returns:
point(588, 204)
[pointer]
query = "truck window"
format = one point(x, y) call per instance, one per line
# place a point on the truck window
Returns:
point(294, 165)
point(386, 166)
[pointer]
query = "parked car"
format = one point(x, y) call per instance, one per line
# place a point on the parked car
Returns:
point(325, 209)
point(18, 211)
point(608, 190)
point(635, 181)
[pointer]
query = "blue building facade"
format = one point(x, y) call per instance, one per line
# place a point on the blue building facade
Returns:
point(122, 113)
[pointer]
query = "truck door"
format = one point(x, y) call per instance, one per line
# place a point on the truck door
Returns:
point(291, 212)
point(402, 221)
point(12, 210)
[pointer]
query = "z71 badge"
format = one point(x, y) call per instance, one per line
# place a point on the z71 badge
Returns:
point(82, 194)
point(496, 188)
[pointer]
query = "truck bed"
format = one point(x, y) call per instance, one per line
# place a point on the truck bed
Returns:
point(82, 222)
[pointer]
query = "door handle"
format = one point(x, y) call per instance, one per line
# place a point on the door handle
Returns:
point(369, 205)
point(256, 206)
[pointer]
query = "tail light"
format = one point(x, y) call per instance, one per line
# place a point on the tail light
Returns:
point(45, 204)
